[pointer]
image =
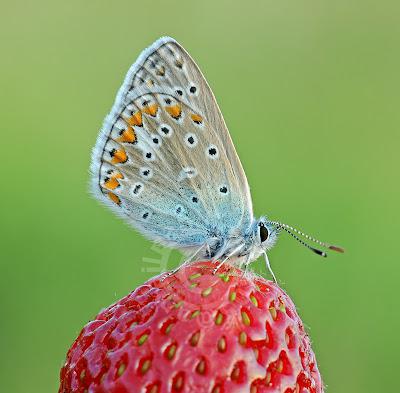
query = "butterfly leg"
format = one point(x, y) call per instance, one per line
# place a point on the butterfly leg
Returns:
point(246, 265)
point(208, 250)
point(269, 267)
point(235, 251)
point(220, 264)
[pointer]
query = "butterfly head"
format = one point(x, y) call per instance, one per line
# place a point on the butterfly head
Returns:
point(266, 233)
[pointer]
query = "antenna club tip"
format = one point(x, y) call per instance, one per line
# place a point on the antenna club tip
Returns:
point(319, 252)
point(336, 248)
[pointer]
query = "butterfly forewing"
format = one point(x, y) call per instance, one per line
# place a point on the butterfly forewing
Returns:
point(164, 159)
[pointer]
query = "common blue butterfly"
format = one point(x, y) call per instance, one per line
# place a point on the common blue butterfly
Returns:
point(165, 162)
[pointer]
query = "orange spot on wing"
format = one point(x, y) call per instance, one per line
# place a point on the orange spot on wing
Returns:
point(175, 111)
point(196, 118)
point(179, 63)
point(135, 119)
point(119, 156)
point(160, 71)
point(111, 182)
point(151, 110)
point(114, 198)
point(128, 136)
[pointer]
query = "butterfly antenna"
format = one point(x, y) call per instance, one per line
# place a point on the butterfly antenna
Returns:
point(290, 230)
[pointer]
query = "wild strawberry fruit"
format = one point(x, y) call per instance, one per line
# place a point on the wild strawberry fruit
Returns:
point(195, 331)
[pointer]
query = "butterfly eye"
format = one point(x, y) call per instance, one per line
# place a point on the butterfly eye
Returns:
point(264, 233)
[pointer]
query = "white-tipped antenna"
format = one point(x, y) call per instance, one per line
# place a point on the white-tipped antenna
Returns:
point(290, 230)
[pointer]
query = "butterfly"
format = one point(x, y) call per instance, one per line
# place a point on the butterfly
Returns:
point(165, 162)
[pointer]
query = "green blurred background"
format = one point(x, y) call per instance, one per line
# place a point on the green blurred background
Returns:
point(310, 91)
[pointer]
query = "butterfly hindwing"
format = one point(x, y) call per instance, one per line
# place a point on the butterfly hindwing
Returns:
point(164, 159)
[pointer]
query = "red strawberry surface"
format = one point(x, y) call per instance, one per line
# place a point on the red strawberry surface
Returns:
point(195, 331)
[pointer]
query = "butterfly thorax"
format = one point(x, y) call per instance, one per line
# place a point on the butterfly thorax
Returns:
point(239, 247)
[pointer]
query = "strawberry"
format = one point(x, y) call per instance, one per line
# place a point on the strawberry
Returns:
point(195, 331)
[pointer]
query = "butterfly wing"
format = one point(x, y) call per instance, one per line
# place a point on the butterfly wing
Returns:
point(164, 159)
